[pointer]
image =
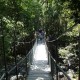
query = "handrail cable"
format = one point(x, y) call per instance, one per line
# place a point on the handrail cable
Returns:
point(59, 66)
point(17, 63)
point(27, 42)
point(20, 61)
point(2, 76)
point(62, 33)
point(14, 66)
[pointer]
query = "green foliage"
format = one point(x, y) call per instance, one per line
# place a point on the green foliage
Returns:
point(21, 17)
point(25, 16)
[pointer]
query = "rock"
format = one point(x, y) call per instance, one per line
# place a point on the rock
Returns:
point(61, 75)
point(20, 77)
point(70, 73)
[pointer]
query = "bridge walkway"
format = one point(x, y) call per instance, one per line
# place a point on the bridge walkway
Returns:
point(40, 69)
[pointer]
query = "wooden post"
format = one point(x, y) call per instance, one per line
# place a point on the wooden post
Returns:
point(79, 53)
point(15, 39)
point(51, 68)
point(26, 66)
point(56, 60)
point(3, 50)
point(14, 51)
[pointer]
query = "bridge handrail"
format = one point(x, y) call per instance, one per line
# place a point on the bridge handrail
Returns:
point(21, 61)
point(17, 64)
point(2, 76)
point(59, 66)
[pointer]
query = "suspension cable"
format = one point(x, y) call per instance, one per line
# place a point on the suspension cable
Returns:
point(62, 34)
point(27, 42)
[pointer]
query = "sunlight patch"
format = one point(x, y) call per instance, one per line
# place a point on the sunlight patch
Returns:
point(40, 78)
point(45, 68)
point(40, 53)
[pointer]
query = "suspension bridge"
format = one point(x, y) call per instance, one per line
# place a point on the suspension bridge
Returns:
point(38, 64)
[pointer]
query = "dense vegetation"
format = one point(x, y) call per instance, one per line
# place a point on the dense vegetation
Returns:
point(63, 30)
point(60, 19)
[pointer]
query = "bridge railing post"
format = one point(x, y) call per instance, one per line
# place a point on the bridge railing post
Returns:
point(3, 48)
point(26, 66)
point(52, 71)
point(49, 60)
point(56, 72)
point(14, 50)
